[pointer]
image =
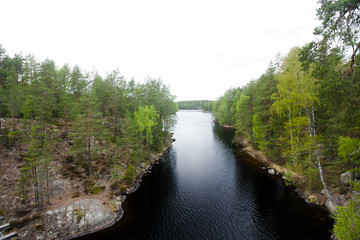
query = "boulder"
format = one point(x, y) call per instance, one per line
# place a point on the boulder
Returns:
point(271, 171)
point(346, 177)
point(58, 187)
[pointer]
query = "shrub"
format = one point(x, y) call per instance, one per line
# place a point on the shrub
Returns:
point(130, 174)
point(347, 221)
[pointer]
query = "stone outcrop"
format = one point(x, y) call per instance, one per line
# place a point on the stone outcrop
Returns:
point(346, 177)
point(82, 216)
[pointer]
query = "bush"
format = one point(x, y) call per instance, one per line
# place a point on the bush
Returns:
point(288, 179)
point(13, 136)
point(93, 189)
point(130, 174)
point(347, 221)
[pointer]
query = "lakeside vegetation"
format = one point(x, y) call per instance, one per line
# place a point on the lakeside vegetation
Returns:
point(304, 111)
point(66, 123)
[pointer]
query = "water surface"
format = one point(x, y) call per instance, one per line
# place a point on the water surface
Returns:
point(203, 190)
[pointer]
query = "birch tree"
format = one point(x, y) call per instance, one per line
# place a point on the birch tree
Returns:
point(296, 98)
point(145, 118)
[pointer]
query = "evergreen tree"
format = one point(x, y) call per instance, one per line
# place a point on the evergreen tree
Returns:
point(87, 128)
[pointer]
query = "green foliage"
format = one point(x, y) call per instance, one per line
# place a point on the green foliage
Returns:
point(340, 25)
point(79, 213)
point(92, 189)
point(130, 174)
point(312, 175)
point(94, 112)
point(347, 221)
point(14, 136)
point(259, 133)
point(288, 178)
point(194, 104)
point(349, 152)
point(348, 148)
point(145, 119)
point(222, 108)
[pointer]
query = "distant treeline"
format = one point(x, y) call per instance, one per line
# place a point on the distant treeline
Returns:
point(195, 105)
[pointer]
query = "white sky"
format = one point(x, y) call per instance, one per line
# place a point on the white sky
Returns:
point(200, 48)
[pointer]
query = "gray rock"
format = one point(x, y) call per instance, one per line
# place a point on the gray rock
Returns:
point(346, 177)
point(58, 187)
point(79, 217)
point(271, 171)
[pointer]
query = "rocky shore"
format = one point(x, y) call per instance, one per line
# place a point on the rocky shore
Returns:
point(90, 215)
point(329, 200)
point(78, 205)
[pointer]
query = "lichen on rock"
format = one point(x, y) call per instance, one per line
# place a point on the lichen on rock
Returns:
point(76, 219)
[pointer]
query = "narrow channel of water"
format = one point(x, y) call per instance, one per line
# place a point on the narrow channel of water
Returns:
point(203, 190)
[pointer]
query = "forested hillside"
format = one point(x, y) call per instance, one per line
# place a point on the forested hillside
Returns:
point(65, 128)
point(194, 105)
point(304, 112)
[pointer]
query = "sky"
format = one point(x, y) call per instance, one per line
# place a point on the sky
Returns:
point(199, 48)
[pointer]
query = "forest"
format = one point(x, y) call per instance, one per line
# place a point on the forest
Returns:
point(104, 127)
point(194, 104)
point(304, 112)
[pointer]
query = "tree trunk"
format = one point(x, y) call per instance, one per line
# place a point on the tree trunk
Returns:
point(89, 156)
point(292, 140)
point(66, 131)
point(115, 119)
point(35, 184)
point(312, 132)
point(88, 140)
point(141, 139)
point(47, 181)
point(13, 112)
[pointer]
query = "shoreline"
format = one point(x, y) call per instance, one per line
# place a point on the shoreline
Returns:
point(316, 198)
point(129, 190)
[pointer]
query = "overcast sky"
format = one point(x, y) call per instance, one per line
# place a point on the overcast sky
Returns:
point(200, 48)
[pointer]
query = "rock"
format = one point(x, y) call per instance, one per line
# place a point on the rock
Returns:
point(330, 205)
point(58, 187)
point(346, 177)
point(133, 188)
point(271, 171)
point(77, 218)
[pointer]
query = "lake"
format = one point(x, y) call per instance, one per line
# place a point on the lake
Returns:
point(203, 189)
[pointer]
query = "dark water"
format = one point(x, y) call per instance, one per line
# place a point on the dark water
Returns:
point(202, 190)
